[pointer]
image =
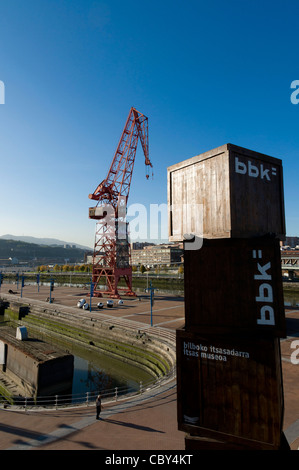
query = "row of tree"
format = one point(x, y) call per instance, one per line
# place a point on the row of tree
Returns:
point(157, 270)
point(83, 268)
point(87, 268)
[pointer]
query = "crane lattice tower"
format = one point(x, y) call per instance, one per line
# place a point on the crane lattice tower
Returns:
point(111, 257)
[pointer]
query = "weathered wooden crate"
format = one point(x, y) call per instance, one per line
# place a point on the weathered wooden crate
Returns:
point(227, 192)
point(230, 389)
point(235, 285)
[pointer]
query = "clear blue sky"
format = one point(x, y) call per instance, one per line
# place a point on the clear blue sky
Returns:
point(205, 74)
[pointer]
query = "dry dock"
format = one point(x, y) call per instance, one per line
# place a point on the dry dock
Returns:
point(148, 422)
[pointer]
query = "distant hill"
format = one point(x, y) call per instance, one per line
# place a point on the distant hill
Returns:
point(42, 241)
point(39, 254)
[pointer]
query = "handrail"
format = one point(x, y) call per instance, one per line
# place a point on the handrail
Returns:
point(85, 399)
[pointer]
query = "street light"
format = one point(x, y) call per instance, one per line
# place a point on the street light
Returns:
point(152, 291)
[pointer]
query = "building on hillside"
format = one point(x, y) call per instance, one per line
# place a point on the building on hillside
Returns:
point(151, 255)
point(140, 245)
point(291, 242)
point(155, 255)
point(8, 261)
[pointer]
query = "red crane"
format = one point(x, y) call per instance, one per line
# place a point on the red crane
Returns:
point(111, 257)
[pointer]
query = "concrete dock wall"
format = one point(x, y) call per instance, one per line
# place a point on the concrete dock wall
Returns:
point(148, 349)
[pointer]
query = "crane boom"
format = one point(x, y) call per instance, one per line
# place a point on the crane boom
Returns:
point(118, 181)
point(111, 257)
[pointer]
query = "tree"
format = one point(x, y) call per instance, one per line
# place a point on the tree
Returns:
point(42, 268)
point(142, 269)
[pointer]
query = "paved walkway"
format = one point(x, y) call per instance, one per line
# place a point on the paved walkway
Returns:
point(147, 422)
point(142, 423)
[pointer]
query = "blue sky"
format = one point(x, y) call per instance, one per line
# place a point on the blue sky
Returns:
point(205, 74)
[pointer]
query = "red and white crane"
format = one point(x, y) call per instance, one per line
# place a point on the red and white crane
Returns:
point(111, 257)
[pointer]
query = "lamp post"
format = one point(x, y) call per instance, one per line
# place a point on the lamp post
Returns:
point(22, 284)
point(91, 294)
point(152, 291)
point(51, 289)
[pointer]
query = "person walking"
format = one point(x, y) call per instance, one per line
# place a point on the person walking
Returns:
point(98, 406)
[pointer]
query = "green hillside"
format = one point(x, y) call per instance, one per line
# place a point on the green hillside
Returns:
point(39, 253)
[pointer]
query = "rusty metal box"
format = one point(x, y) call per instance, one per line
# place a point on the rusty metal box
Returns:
point(228, 192)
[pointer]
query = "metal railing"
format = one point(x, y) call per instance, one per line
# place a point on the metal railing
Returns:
point(84, 399)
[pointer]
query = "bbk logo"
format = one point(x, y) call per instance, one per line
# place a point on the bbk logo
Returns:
point(265, 290)
point(254, 171)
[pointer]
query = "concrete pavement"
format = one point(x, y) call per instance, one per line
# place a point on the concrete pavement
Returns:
point(147, 422)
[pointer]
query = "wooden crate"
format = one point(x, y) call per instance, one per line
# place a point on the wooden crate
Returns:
point(230, 388)
point(235, 285)
point(228, 192)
